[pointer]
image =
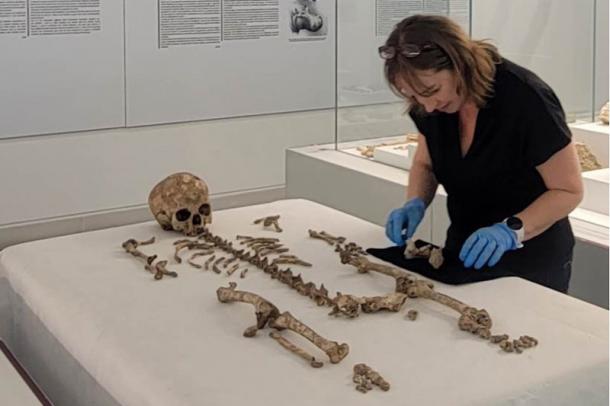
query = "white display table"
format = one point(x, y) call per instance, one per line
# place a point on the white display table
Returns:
point(170, 342)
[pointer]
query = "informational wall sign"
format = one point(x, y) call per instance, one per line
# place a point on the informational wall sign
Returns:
point(49, 17)
point(389, 12)
point(202, 59)
point(188, 22)
point(61, 66)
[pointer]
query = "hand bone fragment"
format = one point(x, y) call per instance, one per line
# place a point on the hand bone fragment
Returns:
point(371, 375)
point(412, 315)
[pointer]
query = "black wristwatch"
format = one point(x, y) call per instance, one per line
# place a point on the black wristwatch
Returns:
point(515, 224)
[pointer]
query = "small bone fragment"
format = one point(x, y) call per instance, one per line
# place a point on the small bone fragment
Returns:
point(434, 255)
point(320, 236)
point(436, 258)
point(339, 240)
point(372, 375)
point(284, 342)
point(507, 346)
point(363, 383)
point(186, 240)
point(267, 251)
point(528, 341)
point(392, 302)
point(228, 261)
point(195, 255)
point(159, 270)
point(233, 269)
point(207, 263)
point(412, 315)
point(290, 259)
point(270, 221)
point(498, 338)
point(215, 265)
point(243, 273)
point(131, 246)
point(412, 251)
point(252, 240)
point(346, 305)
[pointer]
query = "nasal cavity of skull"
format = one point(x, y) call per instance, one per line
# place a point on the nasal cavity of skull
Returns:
point(204, 209)
point(196, 219)
point(183, 215)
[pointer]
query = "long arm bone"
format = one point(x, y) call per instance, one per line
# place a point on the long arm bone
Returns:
point(335, 351)
point(284, 342)
point(265, 311)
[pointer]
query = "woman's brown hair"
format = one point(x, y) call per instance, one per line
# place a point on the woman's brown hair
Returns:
point(424, 42)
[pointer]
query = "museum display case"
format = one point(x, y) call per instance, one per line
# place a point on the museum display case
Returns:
point(372, 122)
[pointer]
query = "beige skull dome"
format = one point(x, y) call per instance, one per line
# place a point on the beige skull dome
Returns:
point(180, 202)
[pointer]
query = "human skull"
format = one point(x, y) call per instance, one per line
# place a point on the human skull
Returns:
point(180, 203)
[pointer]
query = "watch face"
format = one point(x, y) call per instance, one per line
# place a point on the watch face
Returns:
point(514, 223)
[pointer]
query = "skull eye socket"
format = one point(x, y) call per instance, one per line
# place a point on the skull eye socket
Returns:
point(196, 219)
point(183, 215)
point(204, 209)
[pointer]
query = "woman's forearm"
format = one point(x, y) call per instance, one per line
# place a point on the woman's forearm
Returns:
point(550, 207)
point(422, 183)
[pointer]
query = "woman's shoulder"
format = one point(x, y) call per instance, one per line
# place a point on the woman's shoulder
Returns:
point(515, 81)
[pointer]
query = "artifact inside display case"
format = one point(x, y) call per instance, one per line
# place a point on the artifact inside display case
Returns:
point(588, 161)
point(368, 151)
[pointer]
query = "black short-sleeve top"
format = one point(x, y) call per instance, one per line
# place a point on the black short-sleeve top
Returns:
point(521, 126)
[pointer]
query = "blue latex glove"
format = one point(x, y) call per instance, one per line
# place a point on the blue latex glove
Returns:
point(487, 245)
point(406, 217)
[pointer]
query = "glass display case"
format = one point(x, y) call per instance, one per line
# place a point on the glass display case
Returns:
point(558, 40)
point(371, 120)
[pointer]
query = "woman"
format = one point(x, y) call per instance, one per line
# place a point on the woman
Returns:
point(494, 135)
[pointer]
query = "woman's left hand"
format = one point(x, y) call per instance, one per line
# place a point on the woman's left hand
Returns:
point(487, 245)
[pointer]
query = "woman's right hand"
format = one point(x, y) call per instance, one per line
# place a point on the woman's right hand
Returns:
point(406, 218)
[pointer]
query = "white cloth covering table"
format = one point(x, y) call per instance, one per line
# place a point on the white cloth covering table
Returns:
point(171, 342)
